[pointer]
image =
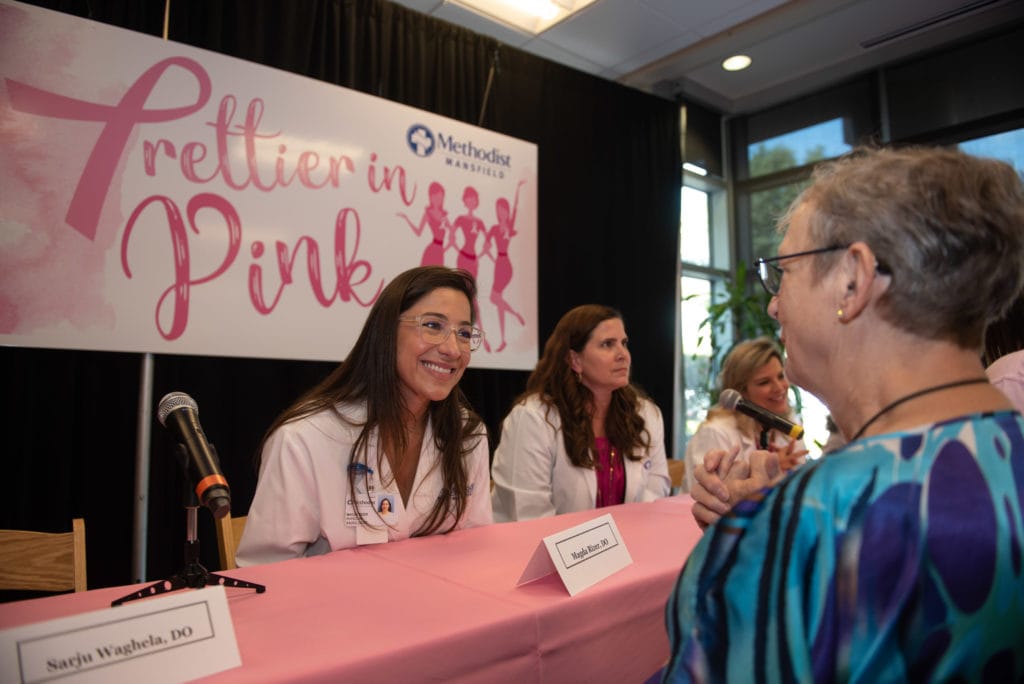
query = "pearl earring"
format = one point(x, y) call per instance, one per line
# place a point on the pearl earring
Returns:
point(839, 313)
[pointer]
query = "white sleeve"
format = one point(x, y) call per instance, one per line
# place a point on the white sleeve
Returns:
point(284, 518)
point(658, 482)
point(708, 436)
point(478, 503)
point(524, 466)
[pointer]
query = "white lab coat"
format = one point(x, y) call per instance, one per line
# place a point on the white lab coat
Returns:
point(300, 502)
point(533, 476)
point(723, 432)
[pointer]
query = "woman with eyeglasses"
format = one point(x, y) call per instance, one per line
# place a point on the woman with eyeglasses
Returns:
point(900, 556)
point(390, 419)
point(581, 436)
point(754, 369)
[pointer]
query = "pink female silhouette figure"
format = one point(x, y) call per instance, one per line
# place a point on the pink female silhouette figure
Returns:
point(501, 234)
point(471, 228)
point(436, 218)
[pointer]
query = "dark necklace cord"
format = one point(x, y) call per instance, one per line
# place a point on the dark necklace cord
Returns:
point(915, 395)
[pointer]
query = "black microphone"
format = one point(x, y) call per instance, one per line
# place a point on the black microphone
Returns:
point(180, 414)
point(734, 401)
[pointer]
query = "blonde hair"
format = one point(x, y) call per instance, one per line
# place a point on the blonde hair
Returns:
point(739, 367)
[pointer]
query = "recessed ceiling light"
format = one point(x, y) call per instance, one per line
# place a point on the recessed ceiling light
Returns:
point(736, 63)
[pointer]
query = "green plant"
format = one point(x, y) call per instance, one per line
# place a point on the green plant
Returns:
point(740, 312)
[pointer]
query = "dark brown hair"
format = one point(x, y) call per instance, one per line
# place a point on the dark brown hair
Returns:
point(369, 375)
point(556, 386)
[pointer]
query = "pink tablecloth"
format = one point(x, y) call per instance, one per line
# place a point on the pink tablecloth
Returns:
point(447, 608)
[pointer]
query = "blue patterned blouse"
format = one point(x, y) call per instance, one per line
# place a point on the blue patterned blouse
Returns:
point(896, 559)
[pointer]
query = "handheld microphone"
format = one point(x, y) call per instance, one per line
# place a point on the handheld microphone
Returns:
point(179, 413)
point(734, 401)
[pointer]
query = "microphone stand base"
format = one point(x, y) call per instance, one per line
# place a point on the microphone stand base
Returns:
point(194, 576)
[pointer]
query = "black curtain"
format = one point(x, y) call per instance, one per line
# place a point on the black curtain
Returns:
point(609, 175)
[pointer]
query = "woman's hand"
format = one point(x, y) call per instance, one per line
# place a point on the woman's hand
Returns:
point(710, 493)
point(789, 457)
point(721, 481)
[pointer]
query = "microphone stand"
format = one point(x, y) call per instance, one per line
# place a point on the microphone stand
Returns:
point(194, 575)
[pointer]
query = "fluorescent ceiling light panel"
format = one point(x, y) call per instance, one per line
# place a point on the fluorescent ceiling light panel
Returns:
point(531, 16)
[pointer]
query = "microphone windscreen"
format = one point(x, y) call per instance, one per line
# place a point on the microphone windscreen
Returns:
point(729, 399)
point(172, 401)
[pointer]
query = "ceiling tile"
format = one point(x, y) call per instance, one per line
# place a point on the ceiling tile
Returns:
point(739, 14)
point(609, 33)
point(698, 15)
point(656, 52)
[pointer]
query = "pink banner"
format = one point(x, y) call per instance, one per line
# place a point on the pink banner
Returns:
point(160, 198)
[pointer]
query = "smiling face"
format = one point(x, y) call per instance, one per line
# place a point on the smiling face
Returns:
point(768, 388)
point(604, 360)
point(429, 372)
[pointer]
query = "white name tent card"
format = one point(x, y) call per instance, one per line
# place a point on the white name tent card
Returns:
point(582, 555)
point(173, 638)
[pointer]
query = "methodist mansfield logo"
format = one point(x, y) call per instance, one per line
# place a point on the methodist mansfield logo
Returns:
point(459, 154)
point(420, 140)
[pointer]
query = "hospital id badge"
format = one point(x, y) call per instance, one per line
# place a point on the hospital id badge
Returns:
point(362, 502)
point(362, 496)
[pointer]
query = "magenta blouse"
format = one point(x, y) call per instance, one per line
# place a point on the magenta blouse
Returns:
point(611, 475)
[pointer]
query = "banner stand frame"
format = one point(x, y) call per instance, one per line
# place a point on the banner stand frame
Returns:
point(142, 454)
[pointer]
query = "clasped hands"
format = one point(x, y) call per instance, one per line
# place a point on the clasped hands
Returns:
point(723, 480)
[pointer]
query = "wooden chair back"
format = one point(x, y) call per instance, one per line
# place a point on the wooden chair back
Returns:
point(229, 532)
point(676, 473)
point(43, 561)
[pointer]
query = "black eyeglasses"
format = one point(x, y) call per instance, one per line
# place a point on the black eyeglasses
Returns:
point(771, 274)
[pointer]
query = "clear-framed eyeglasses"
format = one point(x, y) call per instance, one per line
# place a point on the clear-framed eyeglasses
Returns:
point(435, 329)
point(770, 273)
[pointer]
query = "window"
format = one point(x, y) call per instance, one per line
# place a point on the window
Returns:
point(1007, 146)
point(696, 349)
point(694, 230)
point(769, 199)
point(704, 258)
point(937, 99)
point(767, 206)
point(798, 148)
point(775, 169)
